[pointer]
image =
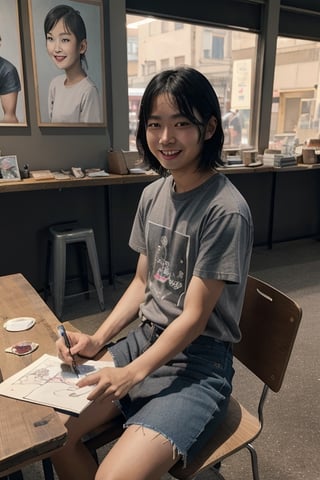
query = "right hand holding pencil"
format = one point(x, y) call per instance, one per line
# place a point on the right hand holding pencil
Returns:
point(81, 344)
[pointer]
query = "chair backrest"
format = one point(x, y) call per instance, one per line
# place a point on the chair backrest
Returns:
point(269, 324)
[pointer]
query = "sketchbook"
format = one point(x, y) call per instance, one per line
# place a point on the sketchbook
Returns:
point(49, 381)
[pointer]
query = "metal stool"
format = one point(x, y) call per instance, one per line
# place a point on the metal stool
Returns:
point(59, 237)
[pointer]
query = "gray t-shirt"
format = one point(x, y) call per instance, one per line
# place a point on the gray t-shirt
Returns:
point(206, 232)
point(9, 77)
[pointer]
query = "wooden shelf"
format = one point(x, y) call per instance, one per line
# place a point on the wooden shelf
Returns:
point(30, 184)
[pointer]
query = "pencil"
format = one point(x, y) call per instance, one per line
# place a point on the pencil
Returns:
point(64, 335)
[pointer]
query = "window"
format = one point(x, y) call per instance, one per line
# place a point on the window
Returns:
point(149, 68)
point(217, 47)
point(132, 45)
point(179, 61)
point(213, 45)
point(226, 57)
point(296, 97)
point(165, 63)
point(165, 27)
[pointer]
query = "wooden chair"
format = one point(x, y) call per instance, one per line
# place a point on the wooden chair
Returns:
point(269, 324)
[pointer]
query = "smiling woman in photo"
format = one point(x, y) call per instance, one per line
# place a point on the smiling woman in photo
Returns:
point(73, 97)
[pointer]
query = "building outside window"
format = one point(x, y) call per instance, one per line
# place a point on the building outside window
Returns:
point(226, 57)
point(296, 93)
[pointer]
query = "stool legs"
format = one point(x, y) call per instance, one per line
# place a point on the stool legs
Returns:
point(81, 237)
point(93, 258)
point(59, 274)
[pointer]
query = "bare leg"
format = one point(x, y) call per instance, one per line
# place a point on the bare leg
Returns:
point(139, 454)
point(74, 460)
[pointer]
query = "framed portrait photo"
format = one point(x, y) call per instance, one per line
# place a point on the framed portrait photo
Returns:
point(12, 93)
point(68, 62)
point(9, 169)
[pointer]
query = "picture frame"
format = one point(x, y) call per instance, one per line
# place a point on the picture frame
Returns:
point(12, 92)
point(48, 65)
point(9, 169)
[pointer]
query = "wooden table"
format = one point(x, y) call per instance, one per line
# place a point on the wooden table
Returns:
point(29, 432)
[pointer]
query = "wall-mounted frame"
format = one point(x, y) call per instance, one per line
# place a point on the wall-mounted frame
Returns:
point(52, 66)
point(12, 94)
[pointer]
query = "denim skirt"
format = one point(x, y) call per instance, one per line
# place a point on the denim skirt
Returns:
point(185, 399)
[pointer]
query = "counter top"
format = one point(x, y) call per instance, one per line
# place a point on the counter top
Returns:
point(29, 184)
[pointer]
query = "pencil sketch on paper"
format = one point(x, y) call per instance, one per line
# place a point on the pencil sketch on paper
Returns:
point(48, 381)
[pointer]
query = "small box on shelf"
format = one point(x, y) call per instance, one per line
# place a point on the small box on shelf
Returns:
point(41, 174)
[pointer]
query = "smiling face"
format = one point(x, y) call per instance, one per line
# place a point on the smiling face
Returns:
point(63, 47)
point(172, 138)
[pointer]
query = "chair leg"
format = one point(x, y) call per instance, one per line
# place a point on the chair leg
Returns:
point(47, 469)
point(93, 452)
point(254, 462)
point(216, 472)
point(217, 475)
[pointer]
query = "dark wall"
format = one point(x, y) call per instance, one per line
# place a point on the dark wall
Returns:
point(257, 190)
point(292, 212)
point(124, 202)
point(23, 239)
point(297, 205)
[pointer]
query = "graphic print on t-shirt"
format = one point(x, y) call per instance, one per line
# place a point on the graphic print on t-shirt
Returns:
point(169, 266)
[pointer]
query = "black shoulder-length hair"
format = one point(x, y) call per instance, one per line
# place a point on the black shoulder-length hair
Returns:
point(194, 95)
point(72, 21)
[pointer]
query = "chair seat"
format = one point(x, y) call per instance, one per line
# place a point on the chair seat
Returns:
point(238, 428)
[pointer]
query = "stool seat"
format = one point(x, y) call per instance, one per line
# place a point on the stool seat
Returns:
point(59, 237)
